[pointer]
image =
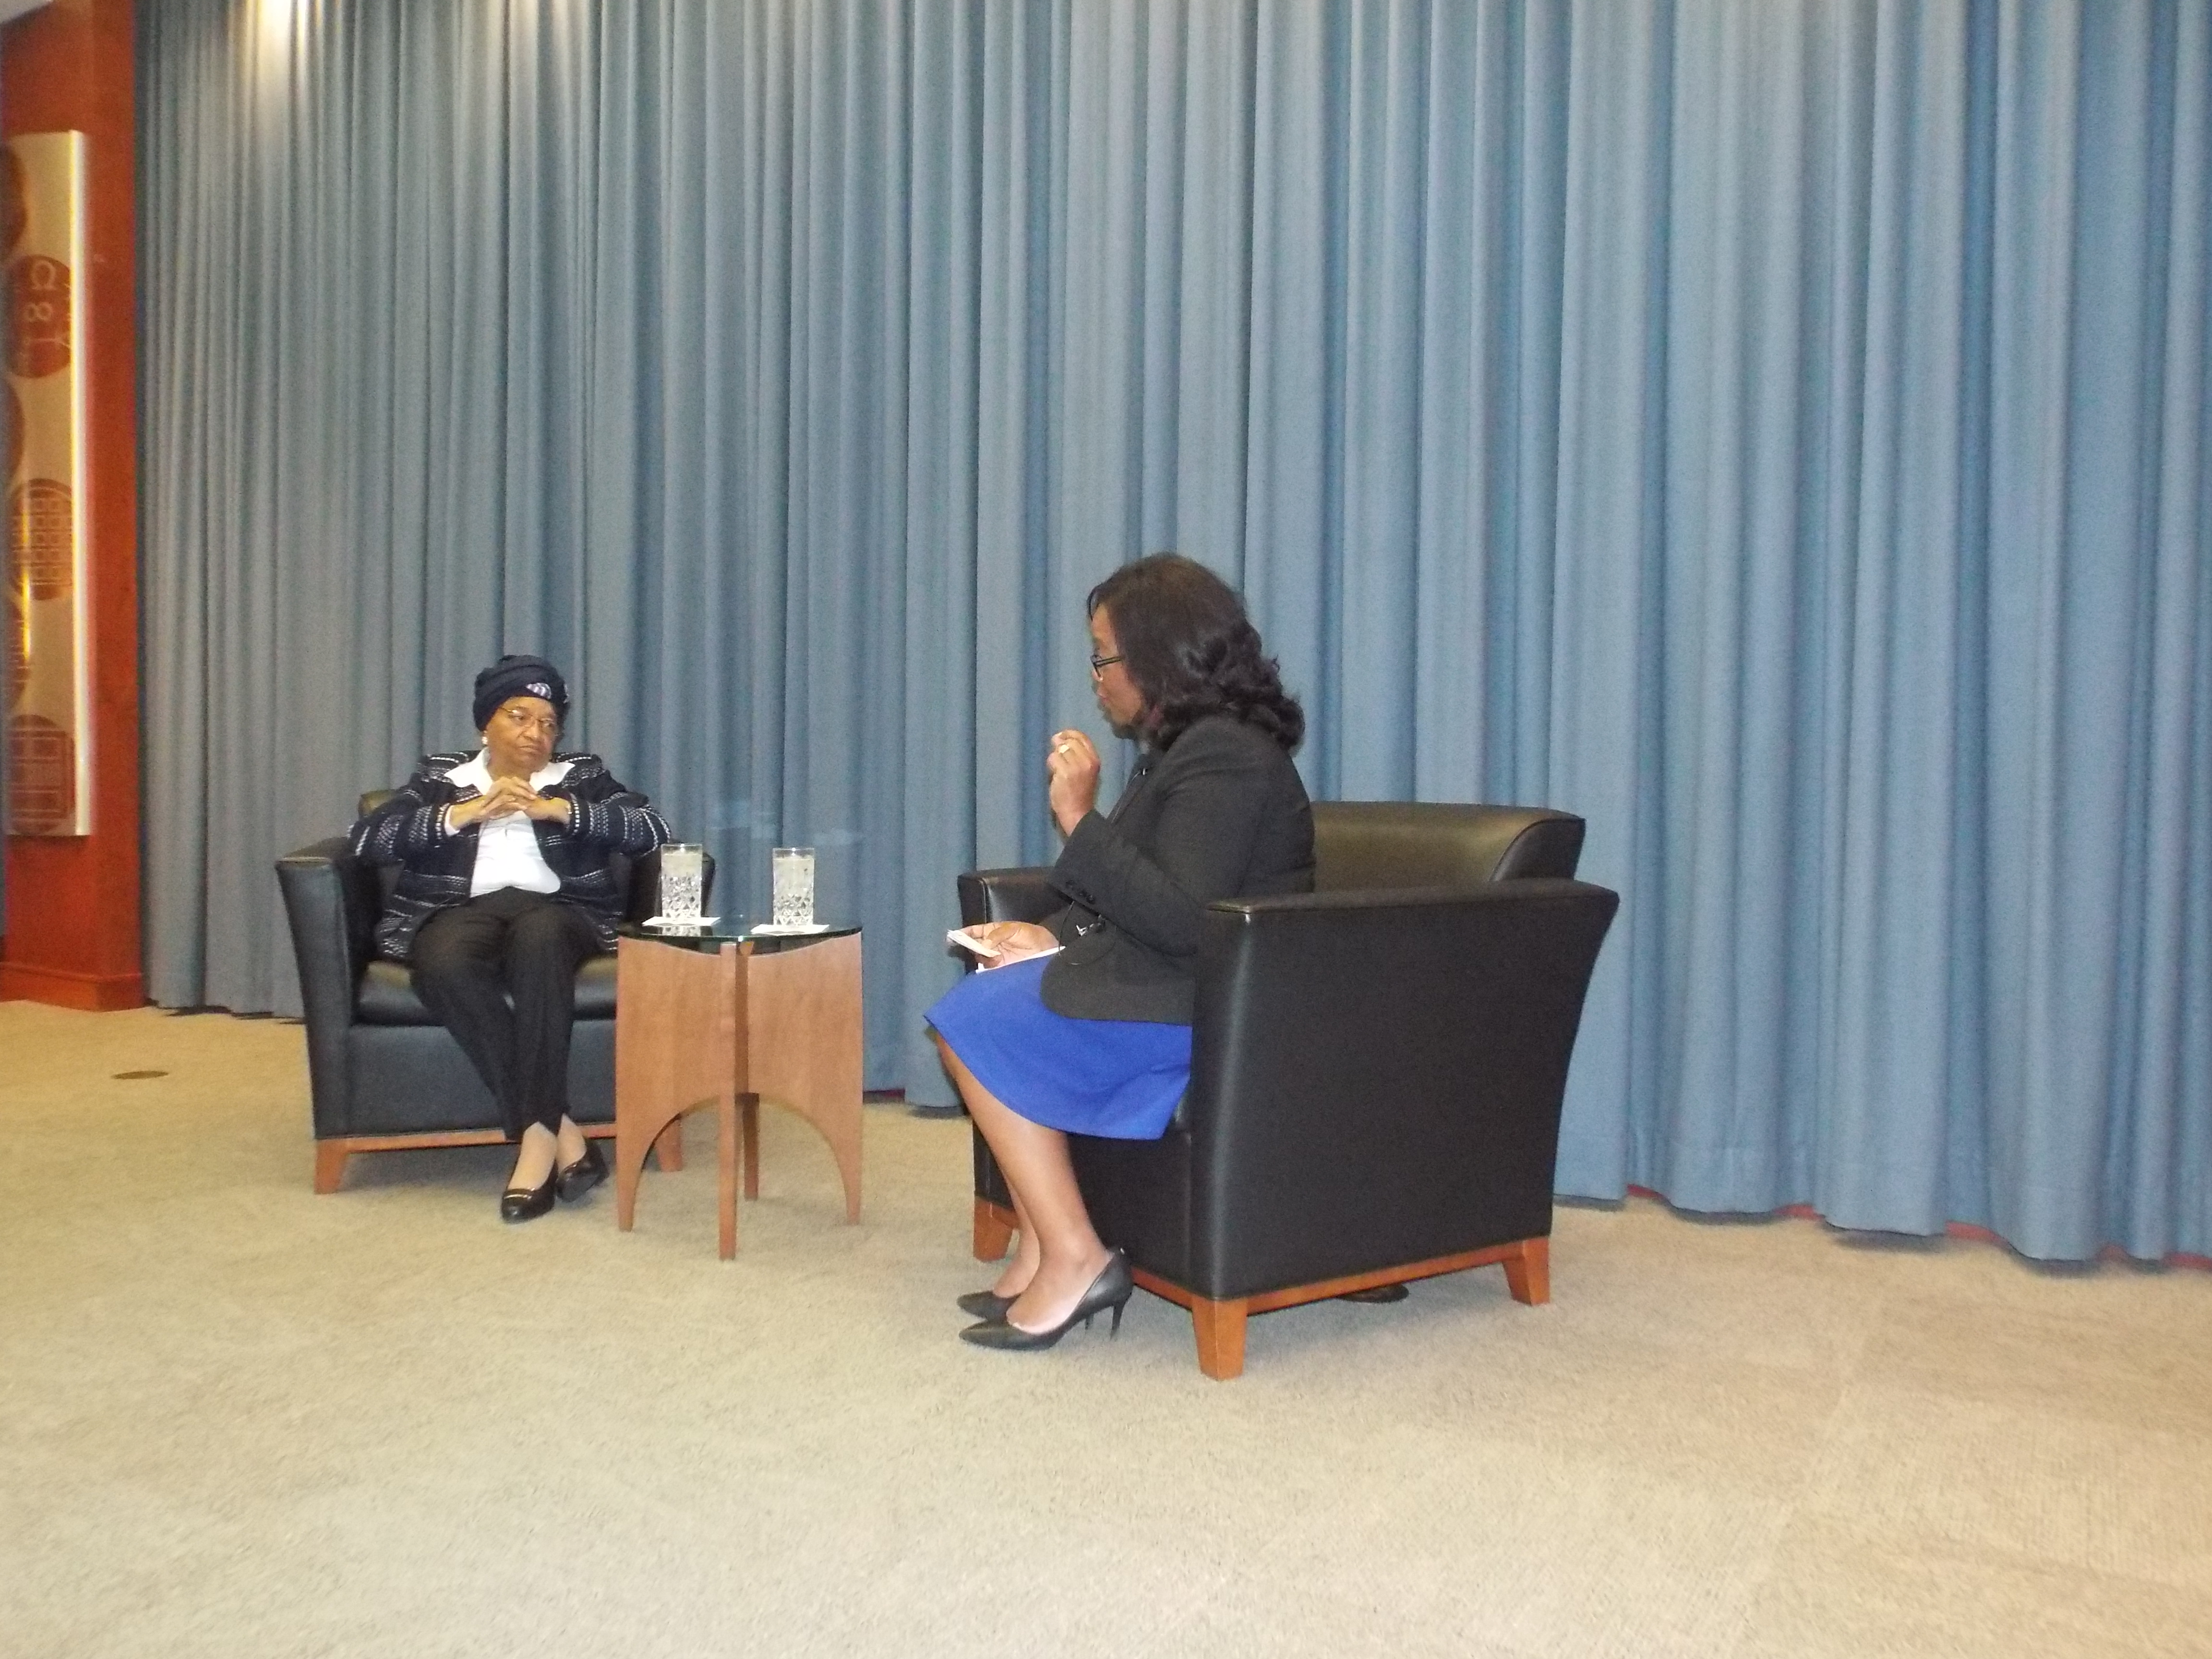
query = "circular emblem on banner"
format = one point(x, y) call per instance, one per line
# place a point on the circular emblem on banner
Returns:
point(15, 209)
point(39, 308)
point(16, 626)
point(41, 538)
point(41, 776)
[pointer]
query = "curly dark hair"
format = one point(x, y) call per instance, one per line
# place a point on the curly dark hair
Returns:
point(1186, 641)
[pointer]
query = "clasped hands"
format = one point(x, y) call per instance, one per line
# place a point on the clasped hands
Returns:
point(1073, 765)
point(507, 797)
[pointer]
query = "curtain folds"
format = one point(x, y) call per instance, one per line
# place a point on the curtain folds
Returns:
point(1780, 432)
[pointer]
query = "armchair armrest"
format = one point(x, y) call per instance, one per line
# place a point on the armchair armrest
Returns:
point(1378, 1074)
point(1011, 894)
point(329, 900)
point(331, 924)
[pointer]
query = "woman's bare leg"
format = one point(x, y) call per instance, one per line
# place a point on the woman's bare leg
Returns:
point(1021, 1267)
point(571, 1143)
point(1041, 1177)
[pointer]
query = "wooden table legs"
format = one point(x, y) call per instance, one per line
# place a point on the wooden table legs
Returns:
point(677, 1030)
point(804, 1041)
point(729, 1031)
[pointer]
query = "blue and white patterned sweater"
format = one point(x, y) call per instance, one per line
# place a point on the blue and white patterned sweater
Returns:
point(409, 830)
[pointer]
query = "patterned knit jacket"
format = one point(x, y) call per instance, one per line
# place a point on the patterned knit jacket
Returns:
point(409, 830)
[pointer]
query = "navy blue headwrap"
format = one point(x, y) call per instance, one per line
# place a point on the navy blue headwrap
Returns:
point(519, 676)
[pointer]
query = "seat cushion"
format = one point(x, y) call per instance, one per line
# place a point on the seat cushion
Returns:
point(386, 995)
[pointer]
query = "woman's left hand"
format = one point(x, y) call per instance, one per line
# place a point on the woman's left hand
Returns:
point(1010, 941)
point(1074, 764)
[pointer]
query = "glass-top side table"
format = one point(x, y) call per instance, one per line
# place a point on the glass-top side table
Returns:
point(739, 930)
point(728, 1019)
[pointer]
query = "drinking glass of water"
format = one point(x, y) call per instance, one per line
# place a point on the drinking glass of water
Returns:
point(791, 870)
point(682, 870)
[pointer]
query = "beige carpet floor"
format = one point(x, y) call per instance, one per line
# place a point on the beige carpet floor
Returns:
point(239, 1420)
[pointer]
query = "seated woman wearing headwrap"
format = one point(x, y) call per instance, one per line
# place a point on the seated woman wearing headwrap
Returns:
point(504, 890)
point(1082, 1026)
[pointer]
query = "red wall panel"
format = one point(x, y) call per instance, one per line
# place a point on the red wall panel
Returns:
point(73, 905)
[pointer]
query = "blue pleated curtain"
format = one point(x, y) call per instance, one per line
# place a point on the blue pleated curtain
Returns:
point(1776, 429)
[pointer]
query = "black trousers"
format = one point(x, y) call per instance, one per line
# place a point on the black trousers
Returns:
point(471, 959)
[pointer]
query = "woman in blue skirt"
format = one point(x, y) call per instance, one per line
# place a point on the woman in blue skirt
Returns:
point(1081, 1024)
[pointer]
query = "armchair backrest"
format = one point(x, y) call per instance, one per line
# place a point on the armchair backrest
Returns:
point(1383, 844)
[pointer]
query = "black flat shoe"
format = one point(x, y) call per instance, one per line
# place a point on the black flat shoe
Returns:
point(1111, 1289)
point(1377, 1293)
point(986, 1305)
point(525, 1203)
point(586, 1173)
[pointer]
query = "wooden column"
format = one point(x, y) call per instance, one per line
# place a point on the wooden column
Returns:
point(72, 929)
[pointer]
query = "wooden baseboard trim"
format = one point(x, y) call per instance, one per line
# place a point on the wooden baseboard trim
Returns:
point(1218, 1325)
point(429, 1139)
point(59, 987)
point(1323, 1289)
point(332, 1151)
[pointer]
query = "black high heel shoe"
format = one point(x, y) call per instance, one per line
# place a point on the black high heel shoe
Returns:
point(528, 1203)
point(1111, 1289)
point(586, 1173)
point(986, 1305)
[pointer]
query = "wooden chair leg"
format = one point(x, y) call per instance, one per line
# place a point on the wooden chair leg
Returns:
point(330, 1165)
point(1528, 1272)
point(1221, 1330)
point(668, 1147)
point(994, 1233)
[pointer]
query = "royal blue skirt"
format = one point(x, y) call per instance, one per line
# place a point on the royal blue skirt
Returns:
point(1117, 1077)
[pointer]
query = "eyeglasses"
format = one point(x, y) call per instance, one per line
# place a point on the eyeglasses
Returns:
point(1100, 665)
point(524, 719)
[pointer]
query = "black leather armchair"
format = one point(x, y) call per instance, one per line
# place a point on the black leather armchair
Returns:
point(1376, 1071)
point(383, 1075)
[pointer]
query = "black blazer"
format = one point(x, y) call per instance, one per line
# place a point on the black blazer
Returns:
point(1221, 813)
